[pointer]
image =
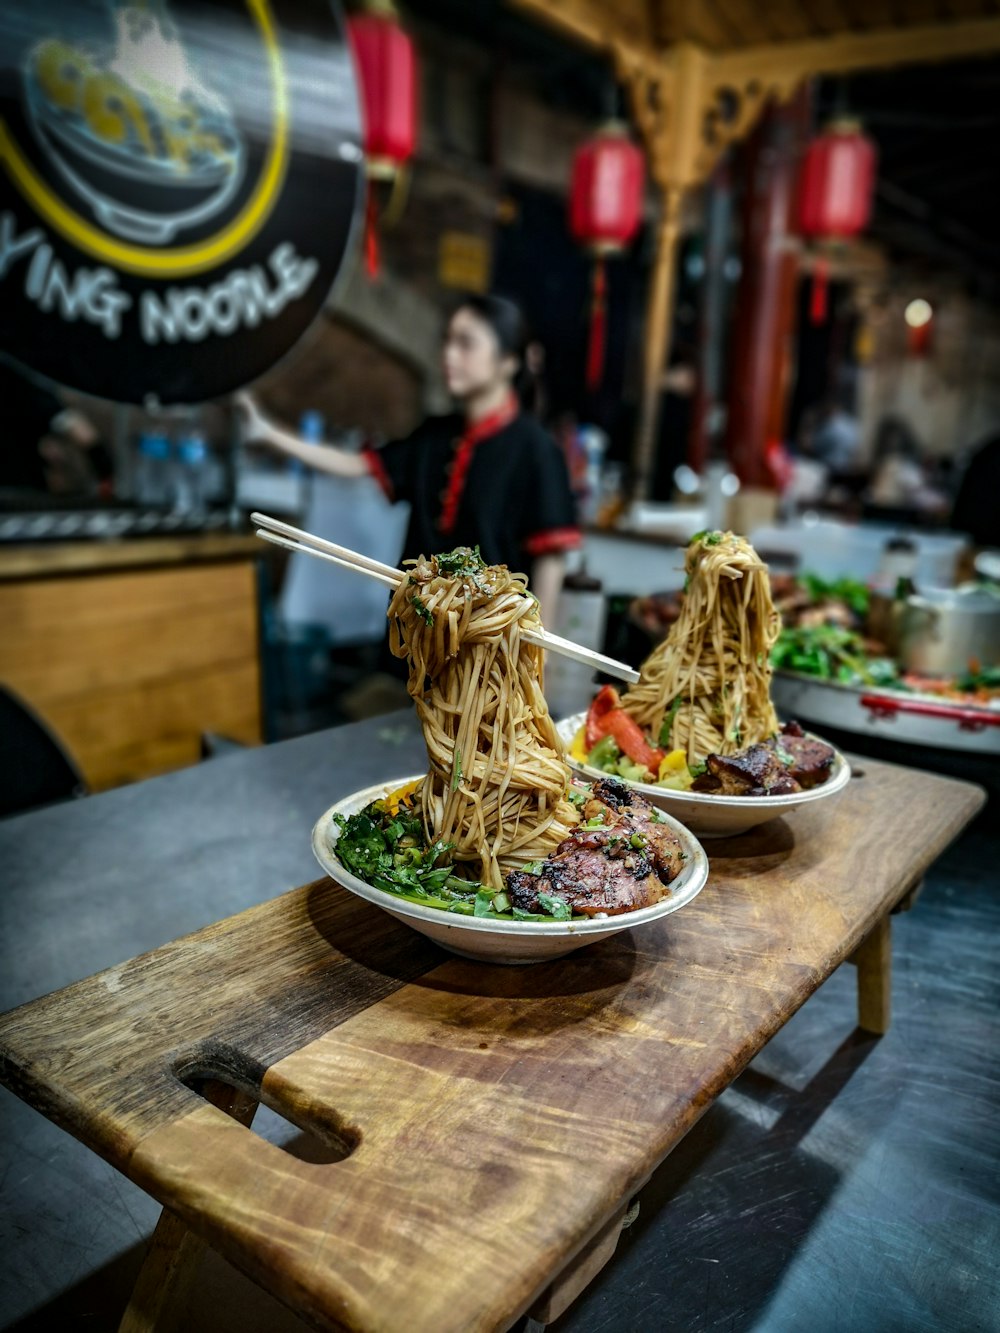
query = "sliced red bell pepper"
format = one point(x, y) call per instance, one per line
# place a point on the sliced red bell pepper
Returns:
point(631, 741)
point(605, 700)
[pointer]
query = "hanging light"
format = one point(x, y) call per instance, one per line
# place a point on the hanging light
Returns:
point(386, 64)
point(835, 195)
point(919, 319)
point(605, 210)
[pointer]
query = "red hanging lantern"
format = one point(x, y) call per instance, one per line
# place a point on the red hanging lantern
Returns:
point(835, 195)
point(605, 209)
point(385, 60)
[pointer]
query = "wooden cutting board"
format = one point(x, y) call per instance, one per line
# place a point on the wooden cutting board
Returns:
point(488, 1120)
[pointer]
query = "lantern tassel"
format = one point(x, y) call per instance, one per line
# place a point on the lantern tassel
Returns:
point(818, 301)
point(598, 326)
point(371, 234)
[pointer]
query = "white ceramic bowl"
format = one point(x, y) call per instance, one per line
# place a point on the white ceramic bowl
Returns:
point(500, 941)
point(708, 815)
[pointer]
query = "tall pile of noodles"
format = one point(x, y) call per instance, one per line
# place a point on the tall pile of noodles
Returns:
point(711, 676)
point(497, 782)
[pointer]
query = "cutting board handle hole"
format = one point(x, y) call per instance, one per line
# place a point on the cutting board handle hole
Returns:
point(229, 1080)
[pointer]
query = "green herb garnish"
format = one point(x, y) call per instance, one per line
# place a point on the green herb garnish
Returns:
point(667, 725)
point(422, 609)
point(558, 908)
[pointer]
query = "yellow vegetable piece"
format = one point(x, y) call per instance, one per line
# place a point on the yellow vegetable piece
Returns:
point(673, 762)
point(396, 798)
point(578, 749)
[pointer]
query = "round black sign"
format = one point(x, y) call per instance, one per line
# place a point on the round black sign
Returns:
point(179, 181)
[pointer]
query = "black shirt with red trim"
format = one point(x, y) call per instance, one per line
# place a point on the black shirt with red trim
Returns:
point(505, 490)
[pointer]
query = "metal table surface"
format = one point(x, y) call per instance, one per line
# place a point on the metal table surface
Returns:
point(839, 1184)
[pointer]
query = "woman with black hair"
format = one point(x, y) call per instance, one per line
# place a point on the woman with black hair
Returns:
point(487, 476)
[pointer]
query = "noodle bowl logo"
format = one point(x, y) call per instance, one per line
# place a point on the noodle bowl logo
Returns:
point(170, 180)
point(139, 137)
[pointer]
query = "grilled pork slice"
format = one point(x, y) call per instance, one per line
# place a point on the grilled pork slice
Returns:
point(755, 771)
point(623, 862)
point(811, 759)
point(788, 762)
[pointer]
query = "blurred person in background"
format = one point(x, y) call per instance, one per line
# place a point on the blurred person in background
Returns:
point(835, 437)
point(487, 475)
point(48, 448)
point(977, 504)
point(899, 481)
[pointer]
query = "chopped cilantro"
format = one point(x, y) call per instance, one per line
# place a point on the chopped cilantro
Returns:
point(556, 907)
point(422, 609)
point(465, 561)
point(667, 725)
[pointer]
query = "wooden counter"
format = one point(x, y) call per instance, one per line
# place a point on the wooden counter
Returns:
point(130, 650)
point(40, 559)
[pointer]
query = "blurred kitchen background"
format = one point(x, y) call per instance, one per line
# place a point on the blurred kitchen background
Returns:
point(820, 371)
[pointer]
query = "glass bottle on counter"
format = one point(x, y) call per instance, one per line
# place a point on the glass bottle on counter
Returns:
point(153, 480)
point(192, 475)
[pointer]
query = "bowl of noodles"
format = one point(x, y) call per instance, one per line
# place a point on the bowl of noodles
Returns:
point(494, 938)
point(496, 852)
point(709, 814)
point(698, 735)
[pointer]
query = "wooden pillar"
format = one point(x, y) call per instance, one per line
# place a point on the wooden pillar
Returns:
point(765, 306)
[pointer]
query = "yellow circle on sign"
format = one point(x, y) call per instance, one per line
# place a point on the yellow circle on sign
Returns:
point(182, 260)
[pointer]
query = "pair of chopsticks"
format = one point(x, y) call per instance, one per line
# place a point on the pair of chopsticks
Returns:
point(295, 539)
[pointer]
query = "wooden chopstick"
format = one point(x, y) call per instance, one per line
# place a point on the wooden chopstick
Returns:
point(277, 539)
point(297, 539)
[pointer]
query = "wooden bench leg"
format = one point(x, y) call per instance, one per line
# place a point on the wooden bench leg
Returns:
point(175, 1252)
point(578, 1274)
point(873, 959)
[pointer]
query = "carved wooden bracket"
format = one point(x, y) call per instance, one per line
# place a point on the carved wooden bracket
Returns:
point(689, 111)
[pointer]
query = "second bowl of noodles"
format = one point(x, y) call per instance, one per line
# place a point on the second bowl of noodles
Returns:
point(707, 814)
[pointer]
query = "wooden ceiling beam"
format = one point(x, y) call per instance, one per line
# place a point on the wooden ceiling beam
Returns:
point(827, 15)
point(700, 21)
point(788, 20)
point(844, 53)
point(865, 14)
point(747, 19)
point(627, 23)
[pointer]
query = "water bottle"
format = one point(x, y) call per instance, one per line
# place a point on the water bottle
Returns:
point(312, 429)
point(192, 474)
point(312, 426)
point(152, 474)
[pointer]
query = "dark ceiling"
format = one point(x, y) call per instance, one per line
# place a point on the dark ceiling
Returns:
point(936, 127)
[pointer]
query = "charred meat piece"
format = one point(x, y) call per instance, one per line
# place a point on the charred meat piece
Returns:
point(661, 842)
point(624, 861)
point(811, 760)
point(755, 771)
point(788, 762)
